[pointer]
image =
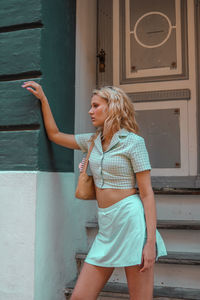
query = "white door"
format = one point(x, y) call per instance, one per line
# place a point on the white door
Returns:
point(149, 48)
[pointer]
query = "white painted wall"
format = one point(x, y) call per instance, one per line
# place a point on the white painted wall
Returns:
point(17, 232)
point(39, 231)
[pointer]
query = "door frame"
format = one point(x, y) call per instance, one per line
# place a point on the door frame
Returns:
point(197, 26)
point(85, 67)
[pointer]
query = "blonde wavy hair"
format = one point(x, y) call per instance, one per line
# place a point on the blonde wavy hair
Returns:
point(121, 112)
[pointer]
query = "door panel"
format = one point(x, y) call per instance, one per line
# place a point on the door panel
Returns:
point(153, 35)
point(156, 126)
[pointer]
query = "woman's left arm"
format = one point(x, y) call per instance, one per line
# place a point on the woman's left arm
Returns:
point(147, 197)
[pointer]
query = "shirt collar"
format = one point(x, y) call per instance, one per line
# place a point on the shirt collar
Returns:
point(122, 132)
point(115, 139)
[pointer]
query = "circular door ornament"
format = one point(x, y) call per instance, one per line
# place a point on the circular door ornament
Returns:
point(152, 29)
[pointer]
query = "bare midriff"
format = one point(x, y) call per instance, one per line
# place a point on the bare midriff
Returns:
point(108, 197)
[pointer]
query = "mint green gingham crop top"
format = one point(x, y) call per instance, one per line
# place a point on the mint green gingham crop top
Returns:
point(116, 167)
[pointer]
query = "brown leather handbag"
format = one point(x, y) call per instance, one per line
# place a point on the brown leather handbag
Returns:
point(85, 189)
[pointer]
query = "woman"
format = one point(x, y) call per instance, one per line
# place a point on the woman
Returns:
point(127, 234)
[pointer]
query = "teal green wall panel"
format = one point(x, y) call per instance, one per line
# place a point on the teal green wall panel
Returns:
point(15, 12)
point(17, 107)
point(20, 51)
point(58, 78)
point(19, 150)
point(46, 55)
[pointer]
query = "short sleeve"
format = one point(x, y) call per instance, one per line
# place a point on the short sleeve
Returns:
point(139, 156)
point(83, 140)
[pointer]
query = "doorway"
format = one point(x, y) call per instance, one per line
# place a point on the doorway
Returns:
point(149, 51)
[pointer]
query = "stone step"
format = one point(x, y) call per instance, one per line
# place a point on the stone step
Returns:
point(116, 291)
point(175, 270)
point(178, 235)
point(179, 224)
point(178, 207)
point(181, 240)
point(164, 224)
point(182, 258)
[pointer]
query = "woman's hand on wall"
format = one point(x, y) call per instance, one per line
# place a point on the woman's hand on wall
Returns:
point(35, 89)
point(54, 135)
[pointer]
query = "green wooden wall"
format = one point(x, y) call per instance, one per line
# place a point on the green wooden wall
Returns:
point(37, 42)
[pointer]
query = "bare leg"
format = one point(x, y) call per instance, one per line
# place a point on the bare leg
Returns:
point(90, 282)
point(140, 285)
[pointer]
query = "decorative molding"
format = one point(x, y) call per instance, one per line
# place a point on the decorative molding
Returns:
point(166, 95)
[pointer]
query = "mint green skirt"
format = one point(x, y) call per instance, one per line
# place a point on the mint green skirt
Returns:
point(122, 235)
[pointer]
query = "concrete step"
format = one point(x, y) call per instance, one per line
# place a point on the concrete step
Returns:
point(184, 205)
point(179, 258)
point(179, 235)
point(178, 224)
point(116, 291)
point(175, 270)
point(165, 224)
point(181, 240)
point(178, 207)
point(183, 258)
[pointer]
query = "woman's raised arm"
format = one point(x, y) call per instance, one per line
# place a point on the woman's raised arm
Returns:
point(60, 138)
